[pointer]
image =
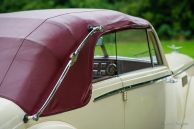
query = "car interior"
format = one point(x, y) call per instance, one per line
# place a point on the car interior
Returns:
point(108, 67)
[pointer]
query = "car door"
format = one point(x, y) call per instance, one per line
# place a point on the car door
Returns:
point(143, 74)
point(145, 103)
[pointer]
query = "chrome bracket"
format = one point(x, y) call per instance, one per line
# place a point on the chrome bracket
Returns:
point(124, 95)
point(73, 58)
point(171, 79)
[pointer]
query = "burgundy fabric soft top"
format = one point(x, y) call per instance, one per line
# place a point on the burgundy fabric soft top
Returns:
point(35, 47)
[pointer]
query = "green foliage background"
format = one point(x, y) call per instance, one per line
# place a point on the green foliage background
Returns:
point(173, 19)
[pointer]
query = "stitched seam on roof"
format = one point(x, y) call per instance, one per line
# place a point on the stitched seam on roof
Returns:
point(18, 52)
point(58, 25)
point(46, 48)
point(74, 13)
point(34, 31)
point(63, 28)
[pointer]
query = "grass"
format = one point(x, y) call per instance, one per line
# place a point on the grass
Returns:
point(125, 49)
point(187, 47)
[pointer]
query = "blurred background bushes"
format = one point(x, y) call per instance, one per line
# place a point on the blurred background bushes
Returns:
point(172, 19)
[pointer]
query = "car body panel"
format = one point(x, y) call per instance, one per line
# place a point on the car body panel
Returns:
point(178, 62)
point(86, 118)
point(189, 113)
point(146, 105)
point(169, 104)
point(176, 96)
point(145, 98)
point(13, 118)
point(52, 125)
point(178, 92)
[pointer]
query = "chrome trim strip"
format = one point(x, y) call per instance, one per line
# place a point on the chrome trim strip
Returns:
point(127, 88)
point(121, 90)
point(184, 69)
point(111, 93)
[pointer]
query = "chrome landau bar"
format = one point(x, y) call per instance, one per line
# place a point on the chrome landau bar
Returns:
point(73, 59)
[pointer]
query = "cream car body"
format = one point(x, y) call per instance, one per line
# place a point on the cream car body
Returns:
point(153, 98)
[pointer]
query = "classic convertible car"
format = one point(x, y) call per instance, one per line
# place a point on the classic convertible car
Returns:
point(90, 69)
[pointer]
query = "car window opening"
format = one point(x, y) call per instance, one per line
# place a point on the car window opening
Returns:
point(122, 52)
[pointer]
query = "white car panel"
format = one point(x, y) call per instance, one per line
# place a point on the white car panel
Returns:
point(97, 114)
point(11, 115)
point(52, 125)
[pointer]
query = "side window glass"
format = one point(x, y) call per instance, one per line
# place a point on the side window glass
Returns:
point(104, 65)
point(125, 51)
point(106, 46)
point(133, 51)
